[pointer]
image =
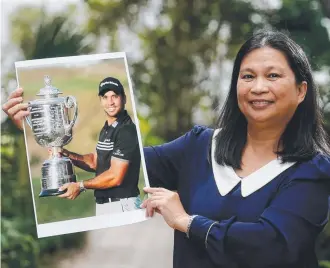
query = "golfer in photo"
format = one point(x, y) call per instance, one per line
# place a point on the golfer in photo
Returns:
point(116, 161)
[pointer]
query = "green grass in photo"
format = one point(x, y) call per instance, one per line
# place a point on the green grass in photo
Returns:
point(53, 209)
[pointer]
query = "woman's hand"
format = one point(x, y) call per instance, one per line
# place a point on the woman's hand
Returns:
point(168, 204)
point(15, 109)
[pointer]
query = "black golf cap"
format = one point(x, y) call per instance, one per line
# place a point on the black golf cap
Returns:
point(111, 84)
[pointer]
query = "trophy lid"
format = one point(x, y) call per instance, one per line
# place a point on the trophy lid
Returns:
point(48, 90)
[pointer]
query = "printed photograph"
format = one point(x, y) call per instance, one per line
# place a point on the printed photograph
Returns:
point(83, 143)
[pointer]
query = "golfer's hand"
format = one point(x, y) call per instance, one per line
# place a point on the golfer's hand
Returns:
point(168, 204)
point(73, 190)
point(15, 108)
point(61, 152)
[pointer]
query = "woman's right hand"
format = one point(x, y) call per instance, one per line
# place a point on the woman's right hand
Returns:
point(15, 108)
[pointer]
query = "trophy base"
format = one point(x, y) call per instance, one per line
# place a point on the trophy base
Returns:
point(50, 192)
point(56, 172)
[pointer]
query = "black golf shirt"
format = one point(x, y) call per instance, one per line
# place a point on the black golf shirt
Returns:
point(119, 140)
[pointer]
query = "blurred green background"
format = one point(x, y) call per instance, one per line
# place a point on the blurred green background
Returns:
point(180, 54)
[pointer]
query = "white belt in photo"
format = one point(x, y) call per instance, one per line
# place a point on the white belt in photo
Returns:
point(118, 206)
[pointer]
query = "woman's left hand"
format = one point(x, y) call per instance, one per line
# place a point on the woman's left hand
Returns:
point(168, 204)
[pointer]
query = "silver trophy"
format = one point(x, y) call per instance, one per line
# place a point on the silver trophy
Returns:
point(52, 128)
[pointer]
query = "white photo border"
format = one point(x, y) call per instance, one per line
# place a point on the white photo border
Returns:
point(95, 222)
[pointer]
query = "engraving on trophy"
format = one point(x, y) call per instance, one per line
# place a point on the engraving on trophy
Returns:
point(42, 142)
point(52, 128)
point(47, 80)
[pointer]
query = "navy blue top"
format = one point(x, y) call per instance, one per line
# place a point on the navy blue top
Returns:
point(275, 226)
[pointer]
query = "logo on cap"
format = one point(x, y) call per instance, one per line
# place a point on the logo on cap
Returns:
point(108, 82)
point(111, 83)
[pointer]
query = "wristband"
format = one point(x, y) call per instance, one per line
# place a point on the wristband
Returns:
point(82, 187)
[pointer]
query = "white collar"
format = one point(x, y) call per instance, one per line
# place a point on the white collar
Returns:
point(226, 178)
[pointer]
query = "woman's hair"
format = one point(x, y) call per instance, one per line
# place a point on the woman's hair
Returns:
point(304, 135)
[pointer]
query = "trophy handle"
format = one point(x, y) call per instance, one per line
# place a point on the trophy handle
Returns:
point(70, 102)
point(28, 118)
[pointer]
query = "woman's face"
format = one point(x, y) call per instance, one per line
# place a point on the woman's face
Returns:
point(267, 91)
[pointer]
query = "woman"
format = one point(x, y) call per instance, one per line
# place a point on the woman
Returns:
point(253, 192)
point(259, 183)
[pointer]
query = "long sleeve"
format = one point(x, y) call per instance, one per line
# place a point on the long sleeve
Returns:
point(284, 232)
point(164, 161)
